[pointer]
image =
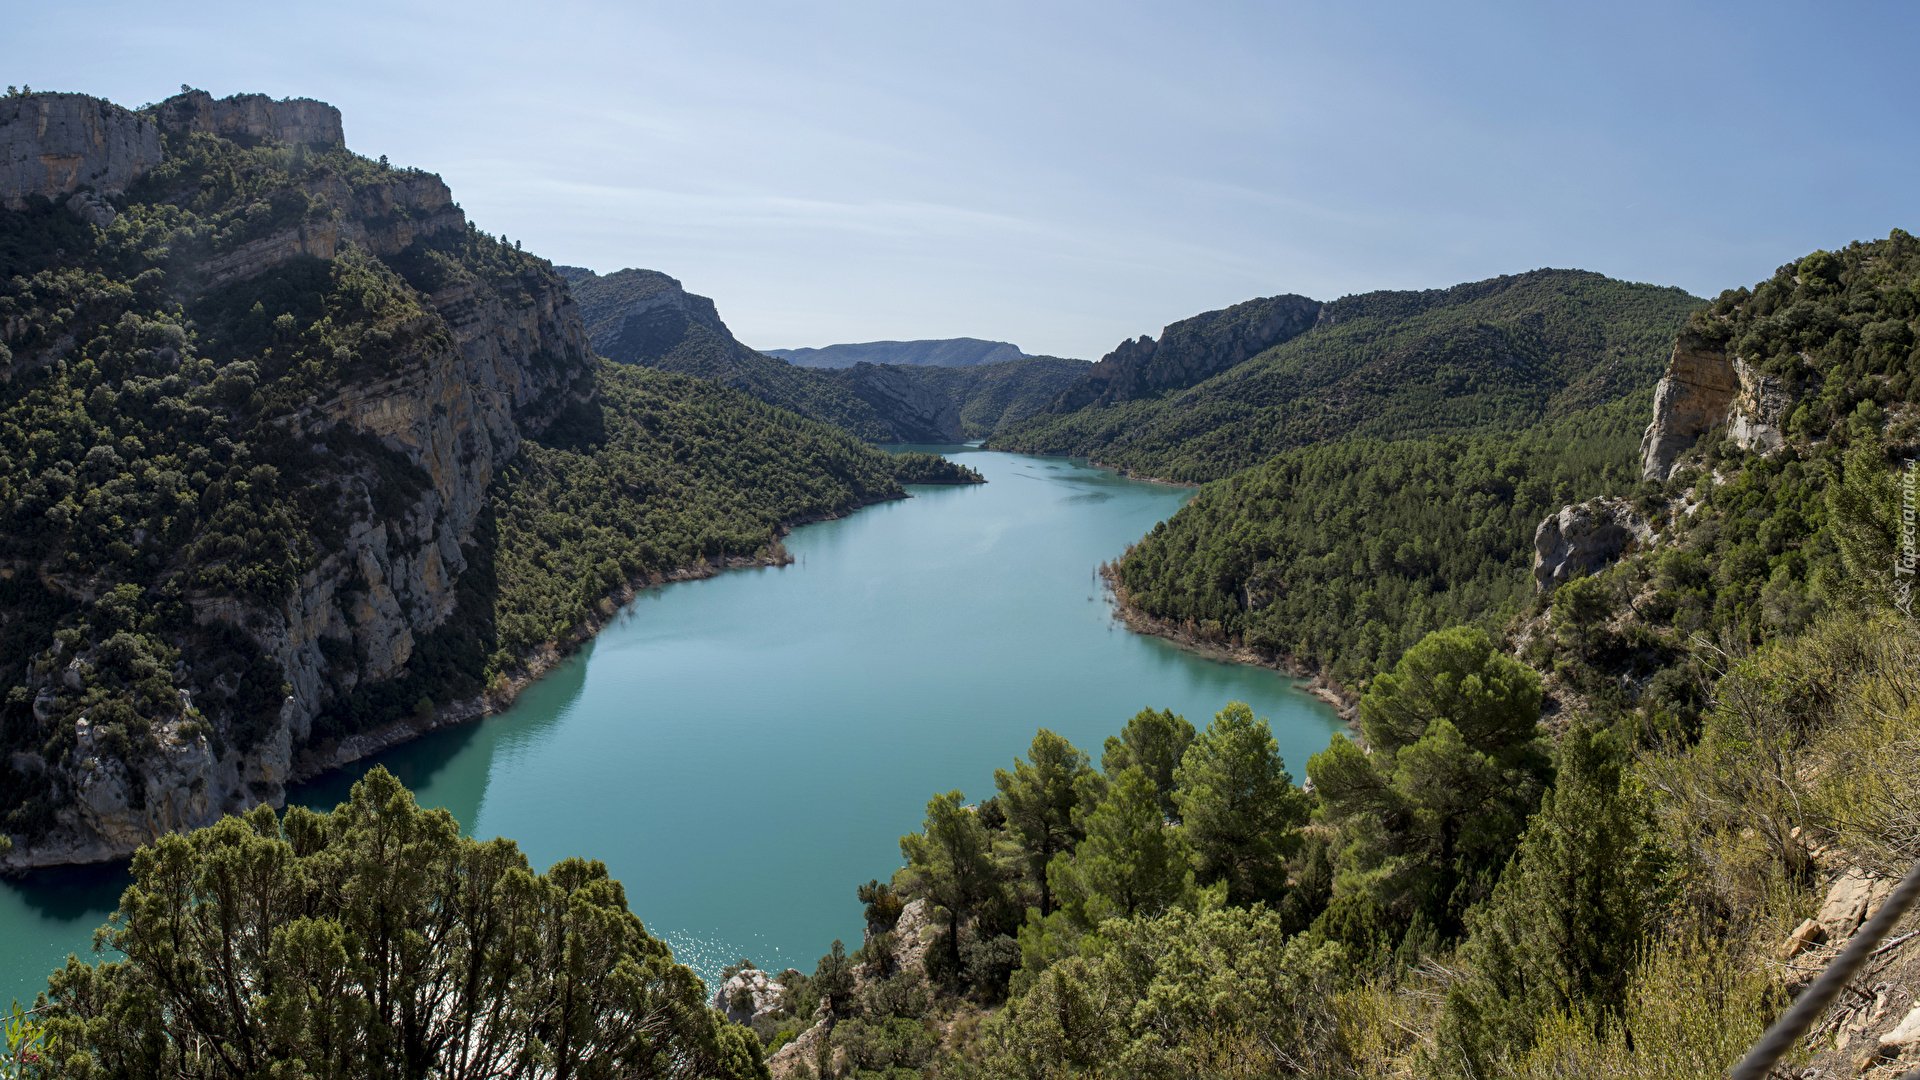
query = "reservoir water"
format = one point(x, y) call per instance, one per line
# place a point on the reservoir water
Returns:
point(743, 751)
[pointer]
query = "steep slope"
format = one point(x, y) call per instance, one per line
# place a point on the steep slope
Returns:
point(257, 398)
point(645, 317)
point(992, 396)
point(1496, 355)
point(938, 352)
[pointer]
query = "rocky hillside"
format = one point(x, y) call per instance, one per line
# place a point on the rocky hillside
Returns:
point(257, 400)
point(645, 317)
point(939, 352)
point(1228, 389)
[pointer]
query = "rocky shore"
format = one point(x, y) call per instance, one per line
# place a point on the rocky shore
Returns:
point(1344, 701)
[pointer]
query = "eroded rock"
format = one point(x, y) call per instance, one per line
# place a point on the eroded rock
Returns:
point(1583, 538)
point(58, 144)
point(1190, 351)
point(748, 996)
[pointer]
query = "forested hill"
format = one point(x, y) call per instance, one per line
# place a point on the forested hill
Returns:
point(290, 450)
point(645, 317)
point(1490, 356)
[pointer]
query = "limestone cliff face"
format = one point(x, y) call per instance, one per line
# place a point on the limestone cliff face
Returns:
point(1583, 538)
point(252, 116)
point(487, 366)
point(1190, 351)
point(1706, 386)
point(58, 144)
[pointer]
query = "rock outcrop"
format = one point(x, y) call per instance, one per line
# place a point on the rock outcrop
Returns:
point(1190, 351)
point(1707, 386)
point(58, 144)
point(1583, 538)
point(252, 117)
point(748, 996)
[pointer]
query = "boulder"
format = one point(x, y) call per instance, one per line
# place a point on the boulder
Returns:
point(1906, 1032)
point(1583, 538)
point(761, 996)
point(1852, 900)
point(1805, 936)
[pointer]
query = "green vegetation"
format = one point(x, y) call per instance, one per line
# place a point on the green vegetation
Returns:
point(376, 941)
point(644, 317)
point(992, 396)
point(917, 468)
point(164, 453)
point(1341, 556)
point(1465, 891)
point(1494, 356)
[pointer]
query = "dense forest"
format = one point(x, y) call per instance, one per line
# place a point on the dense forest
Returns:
point(1493, 356)
point(1342, 555)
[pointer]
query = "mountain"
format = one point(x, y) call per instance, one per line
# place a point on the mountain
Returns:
point(294, 462)
point(645, 317)
point(1228, 389)
point(938, 352)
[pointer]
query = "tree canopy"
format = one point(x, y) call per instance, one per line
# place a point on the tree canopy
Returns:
point(376, 941)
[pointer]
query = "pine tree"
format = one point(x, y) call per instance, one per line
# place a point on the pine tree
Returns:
point(950, 862)
point(1570, 916)
point(1039, 798)
point(1239, 807)
point(1131, 862)
point(1155, 742)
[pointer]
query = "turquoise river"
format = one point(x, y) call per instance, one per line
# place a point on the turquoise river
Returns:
point(743, 751)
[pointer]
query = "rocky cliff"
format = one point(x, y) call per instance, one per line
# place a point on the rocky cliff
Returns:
point(429, 352)
point(1189, 351)
point(56, 144)
point(1706, 386)
point(252, 117)
point(1583, 539)
point(645, 317)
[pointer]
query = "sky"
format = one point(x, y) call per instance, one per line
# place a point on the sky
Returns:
point(1067, 175)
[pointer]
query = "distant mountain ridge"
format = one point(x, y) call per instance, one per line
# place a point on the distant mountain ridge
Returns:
point(935, 352)
point(645, 317)
point(1228, 389)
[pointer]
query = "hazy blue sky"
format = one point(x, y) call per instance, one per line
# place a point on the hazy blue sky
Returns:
point(1064, 175)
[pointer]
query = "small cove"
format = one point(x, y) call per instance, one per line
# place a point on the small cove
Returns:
point(744, 750)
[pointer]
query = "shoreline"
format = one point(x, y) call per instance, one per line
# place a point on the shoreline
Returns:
point(312, 762)
point(309, 765)
point(1345, 703)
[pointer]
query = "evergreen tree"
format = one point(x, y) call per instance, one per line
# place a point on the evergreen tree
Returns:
point(1239, 807)
point(1459, 675)
point(376, 941)
point(1131, 862)
point(1568, 920)
point(950, 861)
point(1153, 741)
point(1039, 798)
point(1454, 765)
